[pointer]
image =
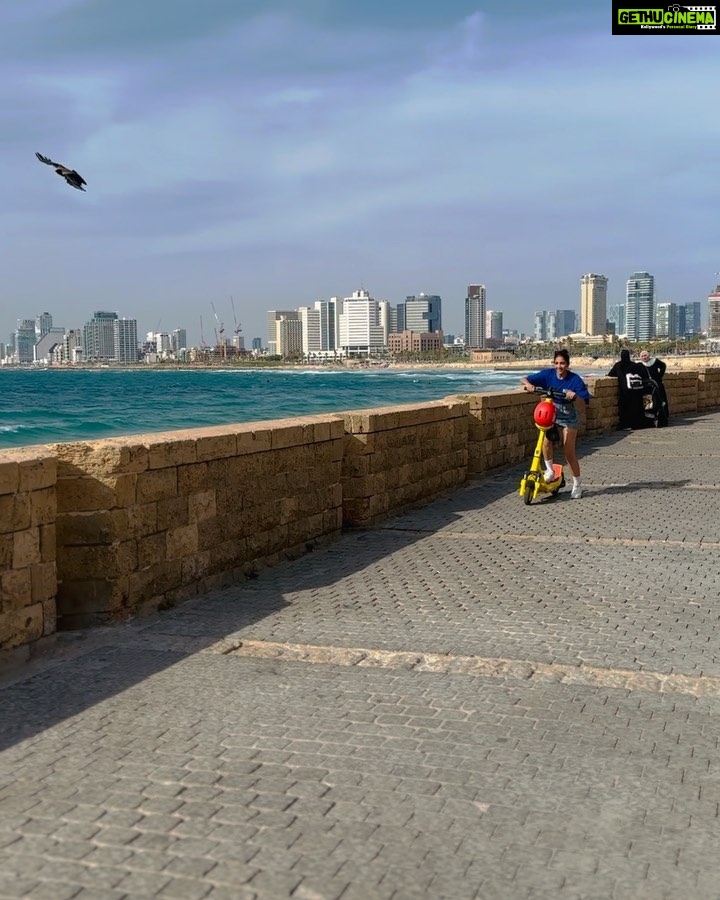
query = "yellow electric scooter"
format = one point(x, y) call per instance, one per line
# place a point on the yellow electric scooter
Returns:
point(533, 481)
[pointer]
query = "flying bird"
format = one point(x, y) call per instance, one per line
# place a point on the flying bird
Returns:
point(70, 175)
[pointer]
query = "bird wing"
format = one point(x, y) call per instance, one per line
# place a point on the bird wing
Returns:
point(47, 160)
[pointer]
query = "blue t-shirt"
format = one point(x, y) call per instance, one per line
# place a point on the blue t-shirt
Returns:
point(547, 378)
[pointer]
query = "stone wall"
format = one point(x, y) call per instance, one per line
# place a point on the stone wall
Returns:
point(98, 531)
point(152, 520)
point(28, 581)
point(401, 455)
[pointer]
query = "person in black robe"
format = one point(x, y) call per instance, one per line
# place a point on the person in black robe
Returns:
point(656, 370)
point(632, 379)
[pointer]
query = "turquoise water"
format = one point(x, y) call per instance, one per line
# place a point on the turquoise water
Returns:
point(45, 406)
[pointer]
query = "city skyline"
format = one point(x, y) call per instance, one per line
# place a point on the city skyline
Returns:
point(248, 150)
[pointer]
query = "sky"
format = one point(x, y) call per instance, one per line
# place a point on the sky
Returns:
point(278, 152)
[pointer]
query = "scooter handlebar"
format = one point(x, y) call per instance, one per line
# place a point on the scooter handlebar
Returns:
point(549, 392)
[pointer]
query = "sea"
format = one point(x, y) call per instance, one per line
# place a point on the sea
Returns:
point(39, 406)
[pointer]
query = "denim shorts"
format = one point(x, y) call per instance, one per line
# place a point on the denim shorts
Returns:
point(567, 416)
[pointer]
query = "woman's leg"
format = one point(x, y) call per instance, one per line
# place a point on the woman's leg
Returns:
point(569, 439)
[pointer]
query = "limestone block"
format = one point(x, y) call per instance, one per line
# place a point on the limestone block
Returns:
point(14, 512)
point(253, 439)
point(182, 541)
point(104, 458)
point(305, 529)
point(49, 611)
point(152, 550)
point(21, 626)
point(16, 588)
point(168, 452)
point(202, 506)
point(227, 555)
point(43, 506)
point(99, 527)
point(156, 484)
point(213, 444)
point(195, 567)
point(213, 532)
point(26, 548)
point(78, 494)
point(9, 476)
point(194, 478)
point(6, 550)
point(142, 519)
point(36, 472)
point(264, 543)
point(98, 561)
point(48, 543)
point(147, 585)
point(43, 582)
point(172, 513)
point(84, 602)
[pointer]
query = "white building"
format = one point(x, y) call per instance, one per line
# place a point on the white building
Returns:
point(361, 332)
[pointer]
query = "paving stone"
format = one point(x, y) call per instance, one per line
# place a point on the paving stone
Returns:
point(521, 736)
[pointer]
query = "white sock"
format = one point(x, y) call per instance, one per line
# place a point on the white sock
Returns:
point(550, 471)
point(576, 480)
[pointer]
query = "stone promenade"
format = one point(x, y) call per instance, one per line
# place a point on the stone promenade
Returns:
point(477, 700)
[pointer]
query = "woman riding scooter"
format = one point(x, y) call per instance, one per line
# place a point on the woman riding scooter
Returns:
point(561, 379)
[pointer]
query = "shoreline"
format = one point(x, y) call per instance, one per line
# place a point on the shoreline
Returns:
point(674, 363)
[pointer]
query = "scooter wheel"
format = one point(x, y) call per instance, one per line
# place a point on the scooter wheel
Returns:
point(528, 495)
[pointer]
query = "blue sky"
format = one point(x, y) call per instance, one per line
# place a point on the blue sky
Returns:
point(283, 151)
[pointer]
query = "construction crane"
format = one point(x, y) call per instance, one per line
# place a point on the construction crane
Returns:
point(238, 330)
point(220, 331)
point(202, 336)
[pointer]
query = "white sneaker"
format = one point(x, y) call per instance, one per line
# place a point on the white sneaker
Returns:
point(576, 492)
point(549, 476)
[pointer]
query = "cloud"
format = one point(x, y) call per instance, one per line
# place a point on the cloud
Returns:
point(443, 152)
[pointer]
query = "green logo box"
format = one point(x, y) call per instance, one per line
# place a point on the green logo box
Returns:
point(671, 18)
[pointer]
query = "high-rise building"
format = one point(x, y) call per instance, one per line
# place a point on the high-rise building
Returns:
point(423, 313)
point(125, 340)
point(713, 329)
point(43, 324)
point(640, 307)
point(494, 325)
point(288, 335)
point(593, 304)
point(99, 336)
point(553, 324)
point(475, 316)
point(691, 318)
point(328, 310)
point(616, 315)
point(24, 341)
point(273, 316)
point(311, 331)
point(178, 340)
point(257, 343)
point(667, 320)
point(360, 330)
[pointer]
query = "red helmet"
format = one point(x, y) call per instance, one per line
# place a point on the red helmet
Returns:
point(545, 413)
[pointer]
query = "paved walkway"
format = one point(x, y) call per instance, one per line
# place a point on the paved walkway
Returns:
point(480, 699)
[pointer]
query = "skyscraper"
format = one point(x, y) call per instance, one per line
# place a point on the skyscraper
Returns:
point(494, 325)
point(475, 316)
point(99, 336)
point(640, 307)
point(593, 304)
point(360, 331)
point(125, 340)
point(666, 320)
point(423, 313)
point(713, 329)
